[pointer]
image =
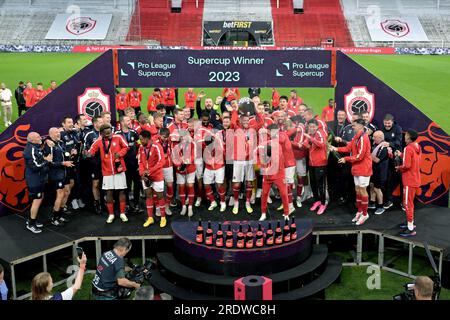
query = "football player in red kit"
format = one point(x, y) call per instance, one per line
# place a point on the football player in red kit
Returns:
point(163, 140)
point(361, 160)
point(121, 101)
point(300, 154)
point(40, 93)
point(410, 170)
point(134, 99)
point(183, 160)
point(151, 162)
point(271, 162)
point(112, 150)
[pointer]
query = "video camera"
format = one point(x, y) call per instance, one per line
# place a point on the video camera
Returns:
point(138, 274)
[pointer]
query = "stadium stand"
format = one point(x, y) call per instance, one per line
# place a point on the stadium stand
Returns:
point(159, 23)
point(320, 20)
point(24, 23)
point(237, 10)
point(433, 15)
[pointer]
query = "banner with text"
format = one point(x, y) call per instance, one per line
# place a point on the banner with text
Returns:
point(395, 29)
point(192, 68)
point(76, 27)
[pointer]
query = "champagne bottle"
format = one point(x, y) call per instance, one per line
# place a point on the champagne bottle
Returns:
point(229, 238)
point(286, 232)
point(259, 237)
point(240, 243)
point(219, 237)
point(293, 229)
point(249, 238)
point(269, 235)
point(209, 235)
point(278, 234)
point(199, 237)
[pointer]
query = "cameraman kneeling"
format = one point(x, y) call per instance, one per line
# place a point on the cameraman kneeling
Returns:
point(110, 274)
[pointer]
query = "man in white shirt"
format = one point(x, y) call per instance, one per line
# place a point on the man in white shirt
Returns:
point(6, 103)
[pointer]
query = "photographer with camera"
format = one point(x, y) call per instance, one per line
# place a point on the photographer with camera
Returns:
point(110, 274)
point(423, 288)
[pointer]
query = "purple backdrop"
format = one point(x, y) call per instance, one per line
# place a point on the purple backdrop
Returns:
point(435, 143)
point(47, 113)
point(224, 68)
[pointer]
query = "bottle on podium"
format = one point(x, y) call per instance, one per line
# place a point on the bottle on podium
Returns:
point(240, 242)
point(286, 232)
point(259, 237)
point(293, 229)
point(219, 237)
point(249, 238)
point(209, 235)
point(199, 236)
point(229, 238)
point(278, 234)
point(269, 235)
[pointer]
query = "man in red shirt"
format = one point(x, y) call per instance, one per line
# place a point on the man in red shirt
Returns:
point(183, 160)
point(52, 86)
point(163, 140)
point(316, 143)
point(168, 95)
point(151, 162)
point(361, 160)
point(300, 154)
point(328, 112)
point(410, 170)
point(231, 94)
point(189, 101)
point(154, 100)
point(112, 150)
point(121, 102)
point(260, 120)
point(283, 108)
point(40, 93)
point(243, 145)
point(294, 102)
point(275, 99)
point(308, 114)
point(177, 125)
point(134, 100)
point(144, 125)
point(271, 162)
point(29, 95)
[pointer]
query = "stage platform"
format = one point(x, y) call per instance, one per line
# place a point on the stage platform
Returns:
point(18, 245)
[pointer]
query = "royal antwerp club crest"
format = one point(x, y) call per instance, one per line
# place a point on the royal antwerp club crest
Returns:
point(359, 99)
point(395, 28)
point(80, 25)
point(93, 102)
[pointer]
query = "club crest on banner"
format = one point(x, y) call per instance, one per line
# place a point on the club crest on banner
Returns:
point(93, 102)
point(359, 99)
point(80, 25)
point(395, 28)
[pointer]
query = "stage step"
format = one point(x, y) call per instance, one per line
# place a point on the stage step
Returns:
point(328, 277)
point(168, 261)
point(161, 283)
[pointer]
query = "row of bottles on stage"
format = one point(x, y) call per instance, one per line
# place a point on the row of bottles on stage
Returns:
point(247, 239)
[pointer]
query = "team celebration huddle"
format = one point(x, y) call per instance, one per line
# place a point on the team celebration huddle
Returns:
point(222, 153)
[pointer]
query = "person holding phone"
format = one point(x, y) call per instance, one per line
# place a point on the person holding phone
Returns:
point(42, 284)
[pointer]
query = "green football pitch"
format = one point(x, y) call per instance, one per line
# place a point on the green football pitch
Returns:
point(423, 80)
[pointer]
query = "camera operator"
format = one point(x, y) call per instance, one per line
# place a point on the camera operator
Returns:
point(110, 272)
point(423, 288)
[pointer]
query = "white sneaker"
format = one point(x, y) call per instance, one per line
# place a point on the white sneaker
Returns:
point(291, 208)
point(253, 198)
point(258, 193)
point(269, 200)
point(223, 206)
point(168, 211)
point(362, 219)
point(236, 208)
point(231, 201)
point(357, 216)
point(110, 218)
point(75, 205)
point(6, 124)
point(198, 202)
point(299, 202)
point(158, 212)
point(10, 123)
point(286, 218)
point(183, 210)
point(81, 203)
point(123, 217)
point(263, 217)
point(190, 211)
point(212, 206)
